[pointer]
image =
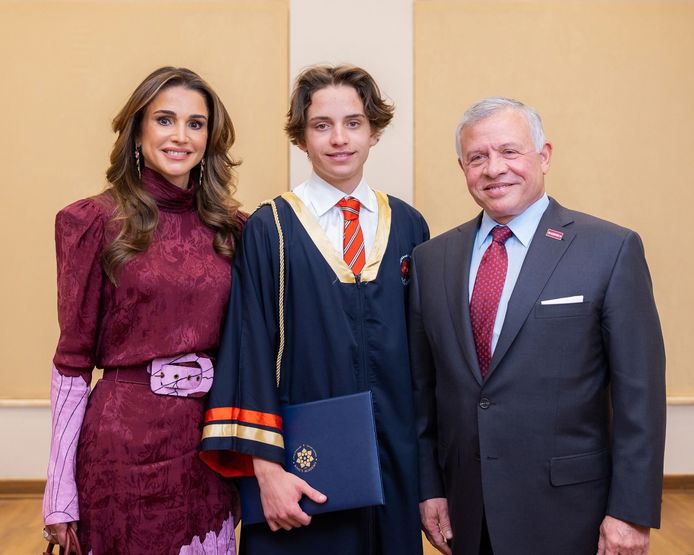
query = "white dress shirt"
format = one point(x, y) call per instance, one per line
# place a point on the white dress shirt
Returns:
point(320, 198)
point(523, 227)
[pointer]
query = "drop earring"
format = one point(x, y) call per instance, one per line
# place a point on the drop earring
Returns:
point(137, 162)
point(202, 170)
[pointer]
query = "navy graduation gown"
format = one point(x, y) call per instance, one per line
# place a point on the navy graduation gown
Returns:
point(342, 335)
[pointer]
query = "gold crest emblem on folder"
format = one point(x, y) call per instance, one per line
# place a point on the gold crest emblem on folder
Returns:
point(305, 458)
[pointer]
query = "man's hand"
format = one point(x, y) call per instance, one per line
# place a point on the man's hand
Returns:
point(618, 537)
point(280, 493)
point(435, 523)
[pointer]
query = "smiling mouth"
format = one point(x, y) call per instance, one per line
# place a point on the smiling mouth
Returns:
point(340, 155)
point(494, 187)
point(176, 154)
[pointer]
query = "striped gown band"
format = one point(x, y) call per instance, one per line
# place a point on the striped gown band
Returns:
point(250, 425)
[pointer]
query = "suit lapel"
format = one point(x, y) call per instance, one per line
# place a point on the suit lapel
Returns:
point(543, 256)
point(456, 273)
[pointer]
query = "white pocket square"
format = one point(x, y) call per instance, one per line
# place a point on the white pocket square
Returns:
point(564, 300)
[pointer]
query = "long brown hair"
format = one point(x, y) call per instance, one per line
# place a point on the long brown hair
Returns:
point(135, 208)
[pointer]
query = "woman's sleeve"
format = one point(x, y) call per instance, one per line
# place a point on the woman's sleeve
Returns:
point(243, 417)
point(79, 236)
point(68, 403)
point(79, 232)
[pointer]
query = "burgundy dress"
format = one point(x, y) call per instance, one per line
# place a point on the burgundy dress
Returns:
point(141, 485)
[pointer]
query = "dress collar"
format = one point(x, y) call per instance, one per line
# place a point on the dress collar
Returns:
point(168, 197)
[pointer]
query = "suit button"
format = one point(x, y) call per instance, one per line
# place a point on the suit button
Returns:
point(484, 403)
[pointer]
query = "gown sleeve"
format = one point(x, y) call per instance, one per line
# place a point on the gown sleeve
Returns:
point(243, 417)
point(79, 232)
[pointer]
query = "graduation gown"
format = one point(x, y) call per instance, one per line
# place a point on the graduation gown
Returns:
point(344, 334)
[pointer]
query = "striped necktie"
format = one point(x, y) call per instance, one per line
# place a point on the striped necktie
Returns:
point(353, 239)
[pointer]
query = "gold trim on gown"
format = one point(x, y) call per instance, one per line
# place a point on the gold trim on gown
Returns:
point(333, 257)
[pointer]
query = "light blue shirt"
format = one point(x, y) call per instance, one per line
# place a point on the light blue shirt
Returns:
point(523, 227)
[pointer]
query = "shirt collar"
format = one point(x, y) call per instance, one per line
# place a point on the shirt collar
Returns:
point(523, 226)
point(323, 196)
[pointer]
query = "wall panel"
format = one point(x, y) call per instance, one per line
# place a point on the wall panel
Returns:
point(614, 84)
point(69, 67)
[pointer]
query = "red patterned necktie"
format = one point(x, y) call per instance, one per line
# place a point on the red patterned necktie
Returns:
point(353, 239)
point(489, 284)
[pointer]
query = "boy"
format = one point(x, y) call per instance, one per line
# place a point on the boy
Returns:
point(347, 250)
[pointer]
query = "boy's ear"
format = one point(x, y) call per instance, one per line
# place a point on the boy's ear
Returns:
point(375, 137)
point(301, 145)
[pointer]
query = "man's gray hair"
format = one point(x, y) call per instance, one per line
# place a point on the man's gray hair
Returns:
point(491, 105)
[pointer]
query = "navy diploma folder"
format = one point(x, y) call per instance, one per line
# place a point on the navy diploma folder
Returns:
point(331, 444)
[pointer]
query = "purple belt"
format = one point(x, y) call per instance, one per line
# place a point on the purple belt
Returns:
point(188, 375)
point(129, 374)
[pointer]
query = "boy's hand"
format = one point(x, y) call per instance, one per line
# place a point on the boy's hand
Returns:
point(280, 493)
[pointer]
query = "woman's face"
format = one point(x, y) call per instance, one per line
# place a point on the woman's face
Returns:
point(173, 135)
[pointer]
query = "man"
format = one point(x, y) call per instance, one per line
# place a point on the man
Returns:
point(538, 363)
point(346, 253)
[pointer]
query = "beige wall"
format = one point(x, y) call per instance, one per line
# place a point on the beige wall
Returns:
point(385, 51)
point(68, 68)
point(91, 53)
point(614, 84)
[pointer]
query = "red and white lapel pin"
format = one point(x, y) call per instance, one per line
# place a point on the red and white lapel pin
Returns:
point(554, 234)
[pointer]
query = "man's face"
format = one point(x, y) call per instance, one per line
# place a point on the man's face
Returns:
point(504, 172)
point(338, 136)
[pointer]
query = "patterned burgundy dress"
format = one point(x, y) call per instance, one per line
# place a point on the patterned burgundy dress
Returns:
point(133, 456)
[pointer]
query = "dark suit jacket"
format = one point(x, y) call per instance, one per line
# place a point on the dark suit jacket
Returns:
point(569, 424)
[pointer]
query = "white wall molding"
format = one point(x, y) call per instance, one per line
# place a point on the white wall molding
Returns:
point(680, 400)
point(25, 434)
point(25, 437)
point(32, 403)
point(24, 403)
point(679, 447)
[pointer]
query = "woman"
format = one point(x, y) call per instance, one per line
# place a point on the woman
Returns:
point(143, 282)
